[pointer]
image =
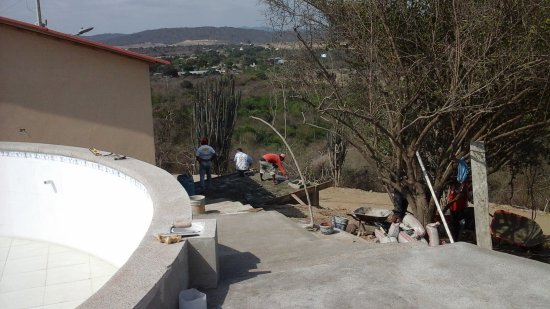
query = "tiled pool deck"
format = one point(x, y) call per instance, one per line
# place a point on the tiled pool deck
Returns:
point(36, 274)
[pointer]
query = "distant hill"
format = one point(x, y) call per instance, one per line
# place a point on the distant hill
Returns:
point(104, 37)
point(171, 36)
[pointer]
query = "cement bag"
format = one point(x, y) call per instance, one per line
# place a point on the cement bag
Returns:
point(433, 234)
point(411, 222)
point(393, 231)
point(382, 237)
point(404, 237)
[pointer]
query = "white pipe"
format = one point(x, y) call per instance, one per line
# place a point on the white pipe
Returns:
point(434, 197)
point(38, 14)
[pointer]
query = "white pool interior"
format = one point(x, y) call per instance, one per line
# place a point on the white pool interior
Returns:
point(67, 202)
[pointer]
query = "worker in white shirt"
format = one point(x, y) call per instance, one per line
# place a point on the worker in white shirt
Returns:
point(242, 162)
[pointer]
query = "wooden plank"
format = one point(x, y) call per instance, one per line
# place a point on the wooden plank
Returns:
point(299, 200)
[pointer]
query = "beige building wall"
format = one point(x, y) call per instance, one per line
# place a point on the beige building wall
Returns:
point(58, 92)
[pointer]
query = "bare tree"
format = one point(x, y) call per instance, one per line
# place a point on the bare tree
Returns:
point(424, 75)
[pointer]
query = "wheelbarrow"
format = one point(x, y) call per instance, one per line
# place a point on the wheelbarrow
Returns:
point(516, 230)
point(369, 216)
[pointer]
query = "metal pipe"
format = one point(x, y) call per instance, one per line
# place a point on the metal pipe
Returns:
point(38, 14)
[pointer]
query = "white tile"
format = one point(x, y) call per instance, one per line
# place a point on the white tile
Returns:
point(5, 242)
point(98, 282)
point(65, 305)
point(25, 264)
point(66, 292)
point(100, 268)
point(4, 255)
point(14, 282)
point(21, 242)
point(58, 249)
point(28, 250)
point(67, 258)
point(69, 273)
point(22, 298)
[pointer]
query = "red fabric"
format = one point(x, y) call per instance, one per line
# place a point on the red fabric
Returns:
point(273, 158)
point(462, 202)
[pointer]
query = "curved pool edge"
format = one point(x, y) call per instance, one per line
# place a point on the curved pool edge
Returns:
point(155, 271)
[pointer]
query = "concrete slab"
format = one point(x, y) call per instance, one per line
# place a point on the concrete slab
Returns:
point(203, 256)
point(285, 266)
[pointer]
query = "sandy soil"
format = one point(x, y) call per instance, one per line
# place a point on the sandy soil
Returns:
point(343, 199)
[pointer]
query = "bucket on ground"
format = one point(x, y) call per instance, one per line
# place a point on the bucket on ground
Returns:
point(326, 228)
point(192, 299)
point(197, 204)
point(340, 223)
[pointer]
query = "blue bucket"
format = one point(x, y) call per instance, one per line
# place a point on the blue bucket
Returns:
point(188, 184)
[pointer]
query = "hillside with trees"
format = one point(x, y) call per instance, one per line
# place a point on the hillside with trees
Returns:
point(432, 78)
point(171, 36)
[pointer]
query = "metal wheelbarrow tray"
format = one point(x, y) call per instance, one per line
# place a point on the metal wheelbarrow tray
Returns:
point(370, 215)
point(516, 230)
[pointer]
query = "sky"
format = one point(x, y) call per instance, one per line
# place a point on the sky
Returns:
point(130, 16)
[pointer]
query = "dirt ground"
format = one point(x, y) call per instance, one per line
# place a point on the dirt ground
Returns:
point(342, 201)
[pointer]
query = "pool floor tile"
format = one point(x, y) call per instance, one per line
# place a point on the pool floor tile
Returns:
point(14, 282)
point(28, 250)
point(37, 274)
point(5, 242)
point(26, 264)
point(22, 298)
point(67, 258)
point(66, 292)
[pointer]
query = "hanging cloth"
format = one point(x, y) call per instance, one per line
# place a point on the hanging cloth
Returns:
point(463, 171)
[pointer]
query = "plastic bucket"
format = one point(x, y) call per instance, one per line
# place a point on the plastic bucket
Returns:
point(192, 299)
point(326, 228)
point(197, 204)
point(340, 223)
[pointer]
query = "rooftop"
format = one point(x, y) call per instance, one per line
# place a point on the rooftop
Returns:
point(78, 40)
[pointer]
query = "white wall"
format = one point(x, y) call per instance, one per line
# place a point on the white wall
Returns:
point(83, 204)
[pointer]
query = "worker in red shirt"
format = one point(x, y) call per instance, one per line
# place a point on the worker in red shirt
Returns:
point(269, 163)
point(458, 202)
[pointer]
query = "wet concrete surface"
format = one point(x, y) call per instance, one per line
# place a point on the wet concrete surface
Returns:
point(247, 190)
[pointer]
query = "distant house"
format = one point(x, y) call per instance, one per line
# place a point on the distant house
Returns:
point(276, 60)
point(198, 72)
point(57, 88)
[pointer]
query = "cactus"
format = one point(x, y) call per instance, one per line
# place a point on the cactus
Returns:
point(215, 114)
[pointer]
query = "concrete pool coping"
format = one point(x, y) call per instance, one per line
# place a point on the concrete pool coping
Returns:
point(156, 272)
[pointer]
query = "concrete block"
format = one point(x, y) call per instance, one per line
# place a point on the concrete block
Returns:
point(203, 256)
